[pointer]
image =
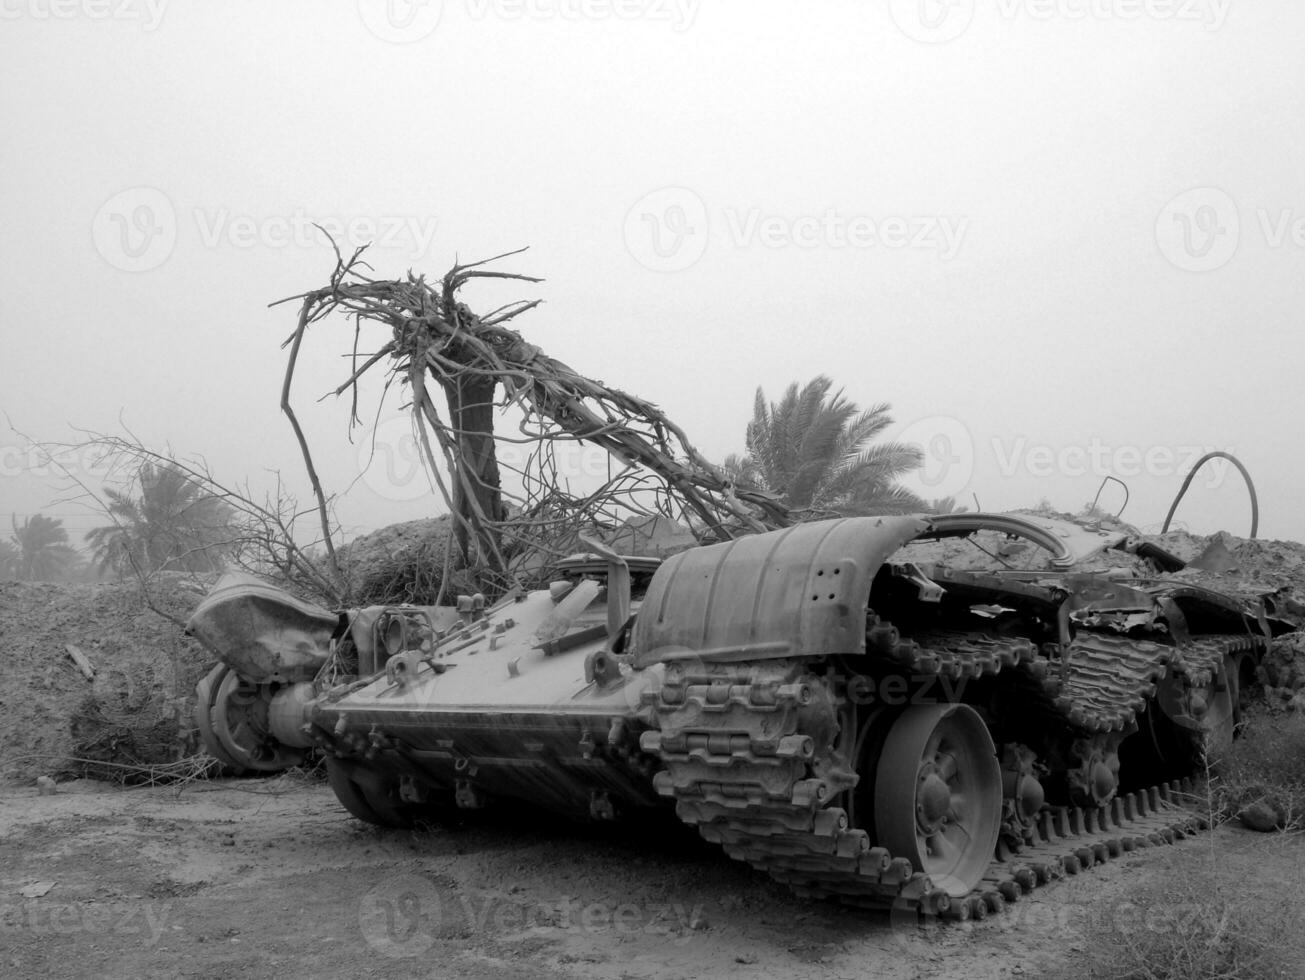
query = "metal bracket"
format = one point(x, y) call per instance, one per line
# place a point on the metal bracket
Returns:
point(602, 668)
point(618, 586)
point(402, 670)
point(411, 791)
point(600, 805)
point(471, 607)
point(929, 590)
point(468, 796)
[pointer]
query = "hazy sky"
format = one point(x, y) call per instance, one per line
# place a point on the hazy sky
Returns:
point(1063, 238)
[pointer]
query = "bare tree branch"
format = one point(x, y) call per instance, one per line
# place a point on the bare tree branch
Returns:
point(434, 337)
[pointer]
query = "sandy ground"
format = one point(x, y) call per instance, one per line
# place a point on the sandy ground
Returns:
point(271, 878)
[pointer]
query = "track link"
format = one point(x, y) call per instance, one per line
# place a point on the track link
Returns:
point(747, 756)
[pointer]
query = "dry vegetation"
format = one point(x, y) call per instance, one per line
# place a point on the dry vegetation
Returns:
point(1196, 923)
point(1199, 920)
point(1266, 768)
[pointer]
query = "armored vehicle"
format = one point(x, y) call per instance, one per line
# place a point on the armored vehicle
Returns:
point(936, 713)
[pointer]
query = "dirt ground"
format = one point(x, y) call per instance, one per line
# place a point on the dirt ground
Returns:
point(271, 878)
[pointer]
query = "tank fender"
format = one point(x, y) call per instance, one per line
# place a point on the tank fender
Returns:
point(262, 632)
point(801, 590)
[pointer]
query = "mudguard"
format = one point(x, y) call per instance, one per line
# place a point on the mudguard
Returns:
point(801, 590)
point(262, 632)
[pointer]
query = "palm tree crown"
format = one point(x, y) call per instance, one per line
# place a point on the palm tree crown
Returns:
point(813, 449)
point(40, 550)
point(174, 524)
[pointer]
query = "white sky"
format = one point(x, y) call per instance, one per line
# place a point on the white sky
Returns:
point(709, 188)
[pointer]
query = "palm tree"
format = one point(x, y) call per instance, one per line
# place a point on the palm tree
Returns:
point(43, 552)
point(9, 555)
point(946, 505)
point(813, 449)
point(175, 524)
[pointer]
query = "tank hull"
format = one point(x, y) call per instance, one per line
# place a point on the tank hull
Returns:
point(843, 704)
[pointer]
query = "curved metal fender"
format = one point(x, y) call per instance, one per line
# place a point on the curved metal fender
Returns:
point(802, 590)
point(262, 632)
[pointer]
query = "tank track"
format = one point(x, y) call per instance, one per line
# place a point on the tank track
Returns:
point(1100, 682)
point(747, 756)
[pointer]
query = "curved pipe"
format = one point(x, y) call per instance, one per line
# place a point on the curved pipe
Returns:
point(955, 525)
point(1104, 481)
point(1218, 454)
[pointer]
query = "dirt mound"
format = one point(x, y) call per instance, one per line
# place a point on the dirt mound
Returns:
point(406, 562)
point(399, 563)
point(1218, 561)
point(136, 710)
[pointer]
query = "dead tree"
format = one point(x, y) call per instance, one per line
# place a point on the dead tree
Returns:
point(484, 369)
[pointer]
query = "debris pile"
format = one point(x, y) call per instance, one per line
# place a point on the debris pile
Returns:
point(405, 562)
point(132, 715)
point(409, 562)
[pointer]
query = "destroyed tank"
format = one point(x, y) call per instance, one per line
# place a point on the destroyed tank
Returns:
point(852, 706)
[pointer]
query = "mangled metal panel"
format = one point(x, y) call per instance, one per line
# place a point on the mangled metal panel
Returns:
point(803, 590)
